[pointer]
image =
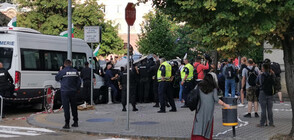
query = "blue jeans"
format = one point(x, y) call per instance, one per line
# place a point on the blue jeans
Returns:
point(181, 91)
point(230, 83)
point(113, 91)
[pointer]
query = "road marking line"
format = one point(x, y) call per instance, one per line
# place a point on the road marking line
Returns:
point(242, 124)
point(19, 133)
point(27, 128)
point(8, 136)
point(15, 131)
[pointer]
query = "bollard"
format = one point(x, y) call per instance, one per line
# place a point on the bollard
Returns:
point(230, 114)
point(109, 95)
point(1, 111)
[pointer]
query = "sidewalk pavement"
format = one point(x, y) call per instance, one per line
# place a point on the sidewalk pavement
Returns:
point(109, 120)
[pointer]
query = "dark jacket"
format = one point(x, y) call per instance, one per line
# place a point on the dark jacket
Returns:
point(5, 79)
point(69, 79)
point(86, 74)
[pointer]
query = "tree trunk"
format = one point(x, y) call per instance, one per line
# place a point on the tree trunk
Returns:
point(288, 47)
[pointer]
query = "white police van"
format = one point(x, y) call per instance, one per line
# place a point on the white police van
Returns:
point(33, 59)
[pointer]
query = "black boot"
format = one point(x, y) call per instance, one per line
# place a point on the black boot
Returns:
point(66, 126)
point(75, 124)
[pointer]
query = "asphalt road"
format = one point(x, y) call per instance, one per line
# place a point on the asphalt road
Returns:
point(15, 127)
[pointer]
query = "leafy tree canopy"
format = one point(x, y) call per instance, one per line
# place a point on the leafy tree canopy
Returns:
point(232, 24)
point(50, 17)
point(163, 37)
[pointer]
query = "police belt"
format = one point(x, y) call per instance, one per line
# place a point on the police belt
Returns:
point(165, 79)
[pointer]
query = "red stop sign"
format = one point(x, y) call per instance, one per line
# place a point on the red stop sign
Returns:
point(130, 14)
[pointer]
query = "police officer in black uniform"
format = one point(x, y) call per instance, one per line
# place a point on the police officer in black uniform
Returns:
point(133, 85)
point(153, 72)
point(144, 83)
point(6, 81)
point(70, 84)
point(6, 84)
point(86, 77)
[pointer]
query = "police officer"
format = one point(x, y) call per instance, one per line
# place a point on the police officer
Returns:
point(6, 83)
point(70, 85)
point(144, 83)
point(164, 74)
point(133, 85)
point(153, 72)
point(86, 77)
point(187, 77)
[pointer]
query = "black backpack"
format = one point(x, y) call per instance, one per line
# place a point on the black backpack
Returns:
point(193, 100)
point(267, 84)
point(252, 76)
point(195, 73)
point(230, 72)
point(276, 68)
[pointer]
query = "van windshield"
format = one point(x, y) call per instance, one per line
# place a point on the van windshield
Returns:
point(6, 57)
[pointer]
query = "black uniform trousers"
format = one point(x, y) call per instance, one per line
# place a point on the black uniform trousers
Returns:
point(87, 91)
point(144, 89)
point(132, 95)
point(164, 90)
point(68, 99)
point(155, 90)
point(187, 87)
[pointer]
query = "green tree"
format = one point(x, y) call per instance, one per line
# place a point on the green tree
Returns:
point(163, 37)
point(50, 17)
point(238, 25)
point(156, 37)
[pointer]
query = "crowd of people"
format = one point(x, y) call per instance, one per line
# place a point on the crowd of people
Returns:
point(160, 81)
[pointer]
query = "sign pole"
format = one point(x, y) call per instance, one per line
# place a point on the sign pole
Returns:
point(92, 83)
point(130, 16)
point(69, 34)
point(128, 82)
point(92, 34)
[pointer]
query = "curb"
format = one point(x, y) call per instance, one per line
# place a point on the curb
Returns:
point(31, 120)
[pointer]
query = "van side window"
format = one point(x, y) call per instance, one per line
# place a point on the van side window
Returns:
point(53, 60)
point(78, 60)
point(30, 59)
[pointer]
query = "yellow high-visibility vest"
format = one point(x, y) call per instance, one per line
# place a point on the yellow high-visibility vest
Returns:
point(168, 72)
point(190, 75)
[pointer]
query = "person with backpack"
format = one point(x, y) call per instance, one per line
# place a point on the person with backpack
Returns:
point(187, 77)
point(199, 69)
point(230, 73)
point(276, 68)
point(242, 92)
point(203, 121)
point(266, 82)
point(249, 75)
